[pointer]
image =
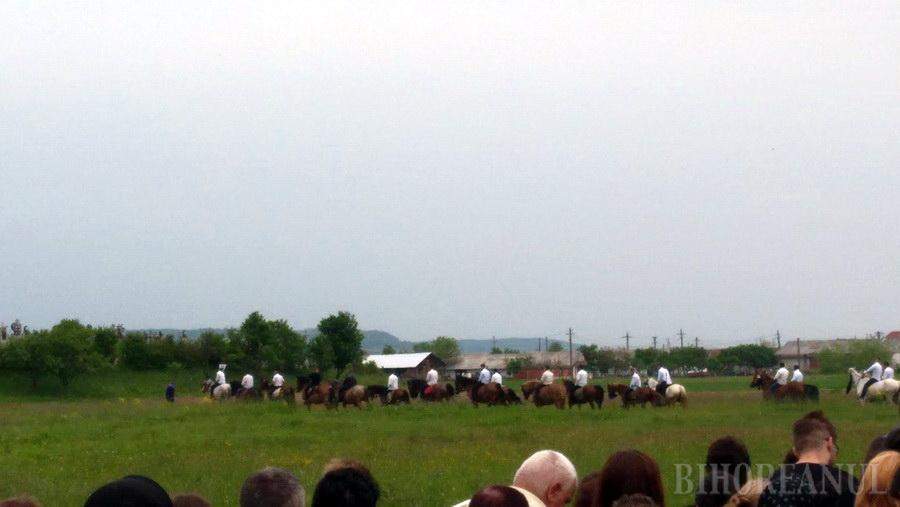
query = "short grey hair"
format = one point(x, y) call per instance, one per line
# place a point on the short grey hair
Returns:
point(543, 469)
point(272, 487)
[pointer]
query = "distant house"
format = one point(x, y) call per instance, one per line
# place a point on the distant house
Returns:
point(557, 361)
point(408, 365)
point(893, 340)
point(803, 352)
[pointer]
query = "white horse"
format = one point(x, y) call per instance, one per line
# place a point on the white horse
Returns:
point(221, 392)
point(888, 387)
point(675, 393)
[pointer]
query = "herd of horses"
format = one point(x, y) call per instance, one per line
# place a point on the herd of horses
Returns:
point(311, 390)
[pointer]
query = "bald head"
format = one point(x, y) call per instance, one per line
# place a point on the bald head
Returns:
point(549, 475)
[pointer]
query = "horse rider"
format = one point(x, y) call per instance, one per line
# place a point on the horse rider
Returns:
point(277, 382)
point(247, 382)
point(431, 380)
point(781, 378)
point(546, 379)
point(392, 385)
point(635, 381)
point(798, 375)
point(875, 373)
point(484, 376)
point(497, 378)
point(663, 379)
point(888, 373)
point(220, 378)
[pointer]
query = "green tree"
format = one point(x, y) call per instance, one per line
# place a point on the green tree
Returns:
point(746, 356)
point(70, 351)
point(388, 349)
point(213, 349)
point(27, 356)
point(445, 347)
point(555, 346)
point(687, 358)
point(599, 359)
point(517, 364)
point(857, 353)
point(648, 358)
point(341, 339)
point(105, 341)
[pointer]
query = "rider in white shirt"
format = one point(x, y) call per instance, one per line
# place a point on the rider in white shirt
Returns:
point(484, 376)
point(247, 381)
point(220, 378)
point(392, 385)
point(431, 378)
point(277, 381)
point(663, 379)
point(635, 381)
point(875, 373)
point(781, 378)
point(888, 373)
point(581, 378)
point(547, 377)
point(497, 378)
point(798, 375)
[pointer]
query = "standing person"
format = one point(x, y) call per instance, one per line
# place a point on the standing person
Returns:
point(781, 378)
point(392, 385)
point(888, 373)
point(497, 378)
point(484, 376)
point(812, 480)
point(431, 379)
point(664, 380)
point(170, 392)
point(875, 372)
point(798, 375)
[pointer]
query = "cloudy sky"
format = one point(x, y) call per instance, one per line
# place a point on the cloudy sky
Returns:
point(476, 169)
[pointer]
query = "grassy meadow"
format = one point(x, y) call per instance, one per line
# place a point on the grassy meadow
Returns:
point(60, 449)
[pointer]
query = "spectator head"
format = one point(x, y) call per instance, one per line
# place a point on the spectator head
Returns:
point(20, 501)
point(627, 473)
point(482, 365)
point(498, 496)
point(588, 489)
point(133, 490)
point(748, 495)
point(548, 475)
point(876, 446)
point(634, 501)
point(815, 440)
point(796, 366)
point(346, 483)
point(877, 481)
point(729, 454)
point(189, 500)
point(781, 364)
point(892, 439)
point(272, 487)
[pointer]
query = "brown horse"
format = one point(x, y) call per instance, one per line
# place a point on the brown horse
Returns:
point(792, 391)
point(322, 393)
point(592, 395)
point(438, 392)
point(273, 393)
point(355, 395)
point(491, 394)
point(378, 391)
point(553, 394)
point(642, 395)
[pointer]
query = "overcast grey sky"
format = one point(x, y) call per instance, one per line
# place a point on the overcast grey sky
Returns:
point(473, 169)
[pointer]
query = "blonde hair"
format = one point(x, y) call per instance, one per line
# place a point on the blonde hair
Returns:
point(748, 495)
point(875, 486)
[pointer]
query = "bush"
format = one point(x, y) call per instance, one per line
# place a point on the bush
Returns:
point(857, 353)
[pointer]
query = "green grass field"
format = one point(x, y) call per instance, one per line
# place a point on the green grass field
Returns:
point(60, 450)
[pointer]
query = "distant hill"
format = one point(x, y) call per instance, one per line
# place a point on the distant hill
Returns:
point(374, 340)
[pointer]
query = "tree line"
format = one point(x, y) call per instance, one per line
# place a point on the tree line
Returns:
point(70, 349)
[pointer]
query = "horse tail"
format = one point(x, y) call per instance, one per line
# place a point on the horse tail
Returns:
point(450, 390)
point(849, 385)
point(812, 392)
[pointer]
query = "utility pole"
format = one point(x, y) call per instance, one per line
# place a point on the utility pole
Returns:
point(654, 343)
point(493, 342)
point(571, 358)
point(539, 344)
point(547, 344)
point(681, 336)
point(798, 350)
point(697, 342)
point(879, 334)
point(627, 341)
point(778, 337)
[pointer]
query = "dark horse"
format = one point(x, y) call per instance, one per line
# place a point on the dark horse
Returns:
point(378, 391)
point(592, 395)
point(417, 388)
point(642, 395)
point(491, 394)
point(792, 391)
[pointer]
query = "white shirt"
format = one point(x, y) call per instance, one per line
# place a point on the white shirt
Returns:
point(581, 378)
point(635, 381)
point(393, 382)
point(875, 370)
point(497, 378)
point(888, 373)
point(547, 378)
point(247, 381)
point(663, 375)
point(797, 376)
point(781, 376)
point(220, 377)
point(484, 376)
point(431, 378)
point(278, 380)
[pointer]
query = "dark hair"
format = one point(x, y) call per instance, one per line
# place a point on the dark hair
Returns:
point(498, 496)
point(810, 433)
point(189, 500)
point(272, 487)
point(634, 501)
point(875, 446)
point(626, 473)
point(130, 491)
point(892, 439)
point(727, 465)
point(587, 489)
point(790, 457)
point(20, 501)
point(348, 487)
